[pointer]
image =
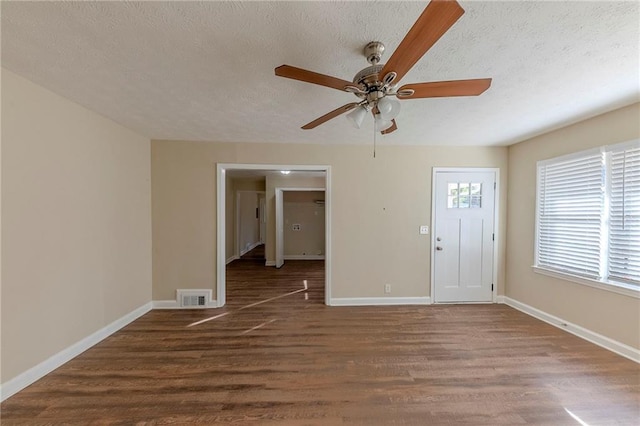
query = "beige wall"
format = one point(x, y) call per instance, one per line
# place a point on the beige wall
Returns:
point(76, 223)
point(294, 180)
point(249, 224)
point(613, 315)
point(232, 185)
point(377, 207)
point(255, 185)
point(300, 207)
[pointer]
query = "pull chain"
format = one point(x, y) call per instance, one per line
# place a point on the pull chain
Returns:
point(374, 138)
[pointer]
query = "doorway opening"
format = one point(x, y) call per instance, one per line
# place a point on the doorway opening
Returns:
point(300, 228)
point(283, 177)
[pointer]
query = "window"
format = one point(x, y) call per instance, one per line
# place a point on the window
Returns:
point(464, 195)
point(588, 216)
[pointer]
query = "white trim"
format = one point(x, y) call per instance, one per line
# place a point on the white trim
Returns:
point(496, 221)
point(569, 157)
point(279, 191)
point(379, 301)
point(221, 169)
point(165, 304)
point(624, 289)
point(304, 257)
point(327, 233)
point(231, 259)
point(173, 304)
point(591, 336)
point(269, 263)
point(251, 247)
point(279, 226)
point(207, 293)
point(35, 373)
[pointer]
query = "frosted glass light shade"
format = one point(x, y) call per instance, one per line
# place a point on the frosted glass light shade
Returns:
point(382, 124)
point(356, 117)
point(389, 108)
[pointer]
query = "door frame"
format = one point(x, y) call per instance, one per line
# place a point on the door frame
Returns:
point(496, 225)
point(280, 219)
point(221, 225)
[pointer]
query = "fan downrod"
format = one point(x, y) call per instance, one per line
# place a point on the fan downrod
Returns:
point(373, 52)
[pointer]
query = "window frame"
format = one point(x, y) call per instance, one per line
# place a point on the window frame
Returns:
point(604, 283)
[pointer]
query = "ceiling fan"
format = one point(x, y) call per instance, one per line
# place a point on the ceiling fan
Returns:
point(376, 83)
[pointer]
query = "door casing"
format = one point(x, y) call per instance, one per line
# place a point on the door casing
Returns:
point(280, 220)
point(496, 223)
point(220, 260)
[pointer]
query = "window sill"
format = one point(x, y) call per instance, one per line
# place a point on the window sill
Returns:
point(619, 288)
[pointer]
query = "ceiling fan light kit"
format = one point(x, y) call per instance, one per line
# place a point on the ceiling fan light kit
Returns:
point(356, 117)
point(374, 85)
point(380, 123)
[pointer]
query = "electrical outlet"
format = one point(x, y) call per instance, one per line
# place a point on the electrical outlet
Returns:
point(387, 288)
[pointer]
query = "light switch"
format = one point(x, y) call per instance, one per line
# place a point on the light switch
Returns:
point(424, 230)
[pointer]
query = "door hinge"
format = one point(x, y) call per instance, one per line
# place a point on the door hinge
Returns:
point(491, 287)
point(493, 237)
point(494, 185)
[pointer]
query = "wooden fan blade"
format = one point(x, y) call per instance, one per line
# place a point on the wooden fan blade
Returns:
point(435, 20)
point(440, 89)
point(336, 112)
point(311, 77)
point(393, 128)
point(388, 130)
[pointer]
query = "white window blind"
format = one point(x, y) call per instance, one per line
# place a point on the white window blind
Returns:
point(624, 216)
point(570, 200)
point(588, 215)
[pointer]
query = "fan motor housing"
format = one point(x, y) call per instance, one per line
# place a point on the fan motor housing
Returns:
point(368, 77)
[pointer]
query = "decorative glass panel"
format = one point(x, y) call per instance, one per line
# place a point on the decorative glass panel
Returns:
point(452, 196)
point(464, 195)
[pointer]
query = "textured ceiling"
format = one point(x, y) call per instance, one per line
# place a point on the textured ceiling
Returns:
point(205, 70)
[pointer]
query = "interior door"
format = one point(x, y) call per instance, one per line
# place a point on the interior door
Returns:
point(279, 229)
point(463, 236)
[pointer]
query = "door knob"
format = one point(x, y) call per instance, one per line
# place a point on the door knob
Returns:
point(438, 248)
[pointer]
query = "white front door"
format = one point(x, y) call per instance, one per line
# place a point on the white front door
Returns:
point(464, 205)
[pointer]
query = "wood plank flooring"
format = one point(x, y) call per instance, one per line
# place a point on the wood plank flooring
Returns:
point(276, 355)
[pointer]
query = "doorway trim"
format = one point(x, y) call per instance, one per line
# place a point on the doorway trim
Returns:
point(221, 169)
point(280, 219)
point(496, 224)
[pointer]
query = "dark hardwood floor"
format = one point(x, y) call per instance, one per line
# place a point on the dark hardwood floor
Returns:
point(276, 355)
point(257, 253)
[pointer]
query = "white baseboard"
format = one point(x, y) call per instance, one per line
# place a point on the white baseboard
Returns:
point(379, 301)
point(304, 257)
point(251, 247)
point(173, 304)
point(23, 380)
point(270, 263)
point(591, 336)
point(232, 258)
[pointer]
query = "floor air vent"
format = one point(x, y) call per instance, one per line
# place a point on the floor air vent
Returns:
point(194, 298)
point(193, 301)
